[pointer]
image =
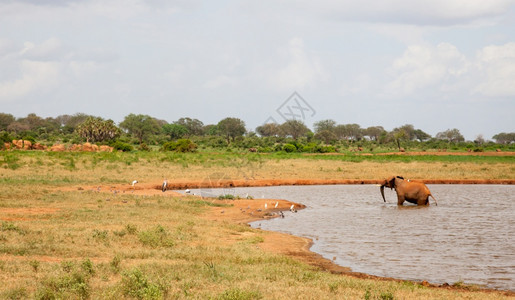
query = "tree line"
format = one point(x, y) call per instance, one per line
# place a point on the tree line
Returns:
point(144, 129)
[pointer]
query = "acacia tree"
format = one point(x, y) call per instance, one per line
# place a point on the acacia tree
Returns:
point(5, 120)
point(325, 125)
point(374, 132)
point(294, 128)
point(268, 129)
point(231, 128)
point(504, 138)
point(194, 126)
point(95, 129)
point(450, 135)
point(140, 126)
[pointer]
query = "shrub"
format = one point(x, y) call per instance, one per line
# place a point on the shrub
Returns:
point(181, 145)
point(144, 147)
point(136, 284)
point(289, 148)
point(121, 146)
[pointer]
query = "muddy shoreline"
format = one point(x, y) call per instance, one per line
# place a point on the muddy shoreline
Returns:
point(179, 185)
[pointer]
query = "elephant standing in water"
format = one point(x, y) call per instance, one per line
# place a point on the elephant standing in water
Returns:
point(412, 191)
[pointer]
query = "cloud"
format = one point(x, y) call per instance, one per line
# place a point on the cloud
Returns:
point(497, 63)
point(421, 12)
point(302, 69)
point(491, 73)
point(424, 66)
point(34, 76)
point(42, 67)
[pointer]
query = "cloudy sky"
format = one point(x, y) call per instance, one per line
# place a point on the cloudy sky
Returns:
point(436, 64)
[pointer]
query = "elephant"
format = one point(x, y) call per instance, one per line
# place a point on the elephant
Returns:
point(407, 190)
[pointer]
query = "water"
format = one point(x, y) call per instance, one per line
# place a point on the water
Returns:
point(468, 237)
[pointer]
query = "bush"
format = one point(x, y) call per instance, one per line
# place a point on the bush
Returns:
point(181, 145)
point(121, 146)
point(289, 148)
point(144, 147)
point(135, 284)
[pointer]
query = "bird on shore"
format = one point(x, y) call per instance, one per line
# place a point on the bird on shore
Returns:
point(276, 204)
point(163, 187)
point(265, 206)
point(187, 191)
point(292, 208)
point(134, 183)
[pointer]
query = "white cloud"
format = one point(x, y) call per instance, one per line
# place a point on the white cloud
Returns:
point(497, 64)
point(424, 66)
point(421, 12)
point(302, 69)
point(35, 76)
point(445, 69)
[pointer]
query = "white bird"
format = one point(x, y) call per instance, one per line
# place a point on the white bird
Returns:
point(165, 183)
point(292, 208)
point(276, 204)
point(134, 182)
point(187, 191)
point(265, 205)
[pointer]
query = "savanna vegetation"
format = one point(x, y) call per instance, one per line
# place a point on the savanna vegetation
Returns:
point(143, 132)
point(62, 237)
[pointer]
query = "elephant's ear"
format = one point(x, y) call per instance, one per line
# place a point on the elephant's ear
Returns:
point(392, 182)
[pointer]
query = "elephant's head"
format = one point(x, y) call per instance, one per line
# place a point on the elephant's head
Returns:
point(389, 182)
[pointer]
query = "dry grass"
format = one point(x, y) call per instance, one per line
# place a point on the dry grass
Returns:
point(88, 244)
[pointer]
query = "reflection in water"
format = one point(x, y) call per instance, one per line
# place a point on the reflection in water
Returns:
point(469, 236)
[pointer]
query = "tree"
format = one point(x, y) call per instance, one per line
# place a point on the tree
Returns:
point(294, 129)
point(326, 136)
point(268, 129)
point(349, 132)
point(95, 129)
point(451, 135)
point(324, 125)
point(409, 131)
point(33, 121)
point(5, 121)
point(400, 135)
point(504, 138)
point(421, 135)
point(374, 132)
point(211, 129)
point(175, 131)
point(231, 128)
point(194, 126)
point(70, 123)
point(140, 126)
point(18, 127)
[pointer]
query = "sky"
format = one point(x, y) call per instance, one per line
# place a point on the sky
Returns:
point(435, 64)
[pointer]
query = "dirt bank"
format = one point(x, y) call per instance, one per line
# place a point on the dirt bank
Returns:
point(179, 185)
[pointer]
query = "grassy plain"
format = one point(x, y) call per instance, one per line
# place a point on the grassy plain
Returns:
point(59, 241)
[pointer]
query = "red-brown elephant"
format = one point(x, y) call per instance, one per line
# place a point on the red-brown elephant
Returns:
point(414, 192)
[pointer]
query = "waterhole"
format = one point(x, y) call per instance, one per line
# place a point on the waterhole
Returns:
point(469, 237)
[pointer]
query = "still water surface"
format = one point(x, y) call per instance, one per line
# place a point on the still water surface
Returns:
point(469, 236)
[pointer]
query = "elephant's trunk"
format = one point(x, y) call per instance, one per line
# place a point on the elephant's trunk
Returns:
point(382, 192)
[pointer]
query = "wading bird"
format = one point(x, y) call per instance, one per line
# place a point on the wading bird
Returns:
point(165, 183)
